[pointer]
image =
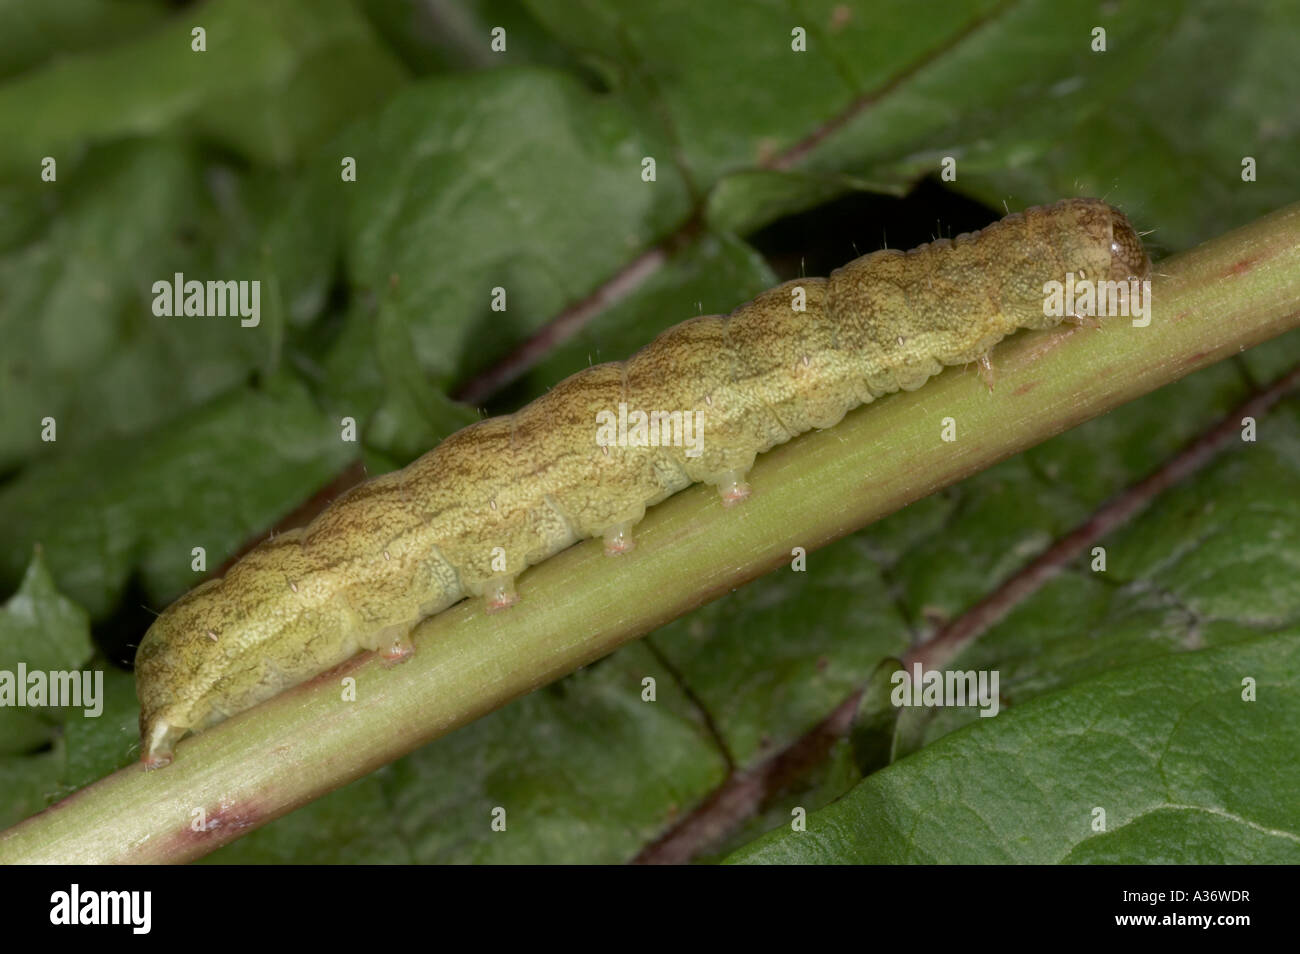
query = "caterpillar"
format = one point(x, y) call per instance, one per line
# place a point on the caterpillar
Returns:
point(508, 492)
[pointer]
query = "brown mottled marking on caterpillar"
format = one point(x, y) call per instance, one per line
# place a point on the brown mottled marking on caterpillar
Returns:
point(505, 493)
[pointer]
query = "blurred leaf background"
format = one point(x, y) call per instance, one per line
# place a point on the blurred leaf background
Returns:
point(522, 169)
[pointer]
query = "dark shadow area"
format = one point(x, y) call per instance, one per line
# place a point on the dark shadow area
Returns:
point(118, 635)
point(823, 238)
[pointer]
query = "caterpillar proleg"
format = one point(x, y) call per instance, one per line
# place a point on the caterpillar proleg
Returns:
point(508, 492)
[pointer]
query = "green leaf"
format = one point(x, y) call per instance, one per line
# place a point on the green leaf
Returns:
point(41, 630)
point(1213, 561)
point(152, 210)
point(40, 626)
point(1147, 140)
point(32, 33)
point(518, 179)
point(1184, 768)
point(108, 741)
point(768, 662)
point(276, 79)
point(213, 478)
point(729, 88)
point(27, 784)
point(437, 38)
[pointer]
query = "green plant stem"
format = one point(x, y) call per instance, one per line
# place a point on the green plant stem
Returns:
point(1208, 304)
